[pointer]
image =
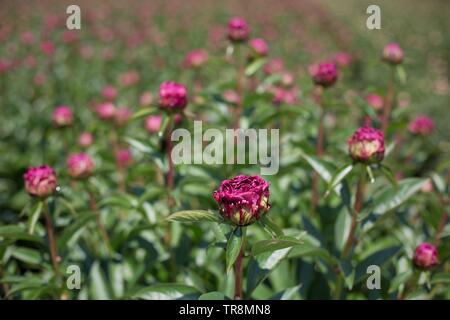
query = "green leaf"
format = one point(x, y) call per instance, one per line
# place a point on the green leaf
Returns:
point(274, 244)
point(234, 246)
point(338, 176)
point(261, 265)
point(378, 258)
point(388, 174)
point(348, 272)
point(399, 279)
point(34, 217)
point(401, 73)
point(438, 182)
point(254, 67)
point(214, 295)
point(74, 230)
point(142, 113)
point(392, 197)
point(99, 285)
point(342, 229)
point(165, 122)
point(268, 223)
point(17, 233)
point(194, 216)
point(441, 278)
point(167, 291)
point(140, 146)
point(370, 174)
point(287, 294)
point(26, 255)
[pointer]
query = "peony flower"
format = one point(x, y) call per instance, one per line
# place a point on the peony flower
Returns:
point(425, 256)
point(238, 29)
point(259, 47)
point(146, 99)
point(243, 199)
point(195, 59)
point(48, 48)
point(342, 59)
point(85, 140)
point(105, 111)
point(172, 96)
point(80, 165)
point(324, 74)
point(393, 54)
point(62, 116)
point(421, 125)
point(109, 93)
point(121, 116)
point(40, 181)
point(375, 101)
point(123, 157)
point(367, 145)
point(153, 123)
point(273, 66)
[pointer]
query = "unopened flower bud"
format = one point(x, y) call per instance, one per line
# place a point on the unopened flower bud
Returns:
point(40, 181)
point(80, 165)
point(153, 123)
point(421, 125)
point(238, 29)
point(62, 116)
point(393, 54)
point(375, 101)
point(425, 256)
point(259, 47)
point(367, 145)
point(105, 111)
point(85, 140)
point(172, 96)
point(243, 199)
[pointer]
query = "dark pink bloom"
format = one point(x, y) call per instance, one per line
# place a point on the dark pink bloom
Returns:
point(243, 199)
point(342, 59)
point(122, 115)
point(259, 47)
point(105, 111)
point(393, 54)
point(62, 116)
point(153, 123)
point(146, 99)
point(109, 93)
point(80, 165)
point(172, 96)
point(238, 29)
point(85, 139)
point(273, 66)
point(324, 74)
point(421, 125)
point(48, 48)
point(375, 101)
point(123, 157)
point(284, 96)
point(40, 181)
point(425, 256)
point(367, 145)
point(195, 59)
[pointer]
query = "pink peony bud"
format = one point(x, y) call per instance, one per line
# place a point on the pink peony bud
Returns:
point(80, 165)
point(48, 48)
point(367, 145)
point(146, 99)
point(393, 54)
point(342, 59)
point(259, 47)
point(273, 66)
point(121, 116)
point(85, 140)
point(324, 74)
point(243, 199)
point(129, 78)
point(40, 181)
point(375, 101)
point(195, 59)
point(421, 125)
point(231, 96)
point(172, 96)
point(425, 256)
point(62, 116)
point(238, 29)
point(153, 123)
point(27, 37)
point(123, 157)
point(105, 111)
point(109, 93)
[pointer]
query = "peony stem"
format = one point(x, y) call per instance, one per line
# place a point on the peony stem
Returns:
point(356, 210)
point(389, 99)
point(101, 227)
point(171, 170)
point(319, 149)
point(238, 270)
point(240, 76)
point(51, 239)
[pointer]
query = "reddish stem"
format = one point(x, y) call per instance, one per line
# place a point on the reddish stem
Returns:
point(51, 239)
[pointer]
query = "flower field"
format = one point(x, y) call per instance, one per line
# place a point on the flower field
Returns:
point(214, 150)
